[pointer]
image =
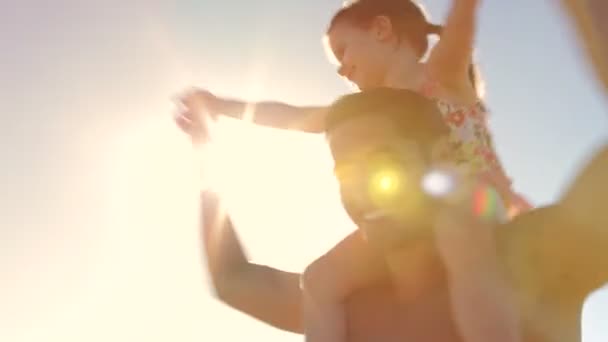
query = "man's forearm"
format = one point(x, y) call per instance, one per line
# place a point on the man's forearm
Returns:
point(268, 294)
point(224, 252)
point(583, 246)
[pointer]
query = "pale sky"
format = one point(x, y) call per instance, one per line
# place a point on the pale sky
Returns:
point(98, 235)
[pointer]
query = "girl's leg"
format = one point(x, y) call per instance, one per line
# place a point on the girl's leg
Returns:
point(482, 303)
point(324, 321)
point(351, 265)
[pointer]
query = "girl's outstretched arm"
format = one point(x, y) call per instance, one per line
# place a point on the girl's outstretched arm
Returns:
point(266, 113)
point(450, 59)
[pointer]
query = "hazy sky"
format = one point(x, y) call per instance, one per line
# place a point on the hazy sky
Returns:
point(98, 236)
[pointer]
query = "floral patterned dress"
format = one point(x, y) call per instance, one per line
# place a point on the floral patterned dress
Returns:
point(471, 148)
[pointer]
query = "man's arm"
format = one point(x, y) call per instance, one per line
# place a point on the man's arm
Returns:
point(585, 202)
point(268, 294)
point(559, 253)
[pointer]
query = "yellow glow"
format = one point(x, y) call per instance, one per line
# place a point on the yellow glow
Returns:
point(386, 183)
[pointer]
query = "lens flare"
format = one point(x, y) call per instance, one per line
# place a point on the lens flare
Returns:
point(438, 183)
point(385, 183)
point(487, 203)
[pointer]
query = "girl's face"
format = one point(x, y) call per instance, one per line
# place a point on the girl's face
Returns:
point(363, 55)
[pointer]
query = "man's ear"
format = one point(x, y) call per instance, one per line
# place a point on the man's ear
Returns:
point(382, 28)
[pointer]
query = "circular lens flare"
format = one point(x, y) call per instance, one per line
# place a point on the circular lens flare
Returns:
point(438, 183)
point(385, 183)
point(385, 187)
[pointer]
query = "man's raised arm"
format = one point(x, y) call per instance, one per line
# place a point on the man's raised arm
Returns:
point(268, 294)
point(586, 201)
point(561, 249)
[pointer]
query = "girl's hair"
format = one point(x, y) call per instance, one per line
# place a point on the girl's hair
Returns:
point(409, 22)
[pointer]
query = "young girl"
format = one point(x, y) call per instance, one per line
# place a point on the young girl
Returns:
point(381, 43)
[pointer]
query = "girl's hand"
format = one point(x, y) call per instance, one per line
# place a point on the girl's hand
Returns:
point(196, 109)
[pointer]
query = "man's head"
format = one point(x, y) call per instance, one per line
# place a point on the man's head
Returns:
point(382, 142)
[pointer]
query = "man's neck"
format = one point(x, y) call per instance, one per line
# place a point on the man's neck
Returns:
point(416, 271)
